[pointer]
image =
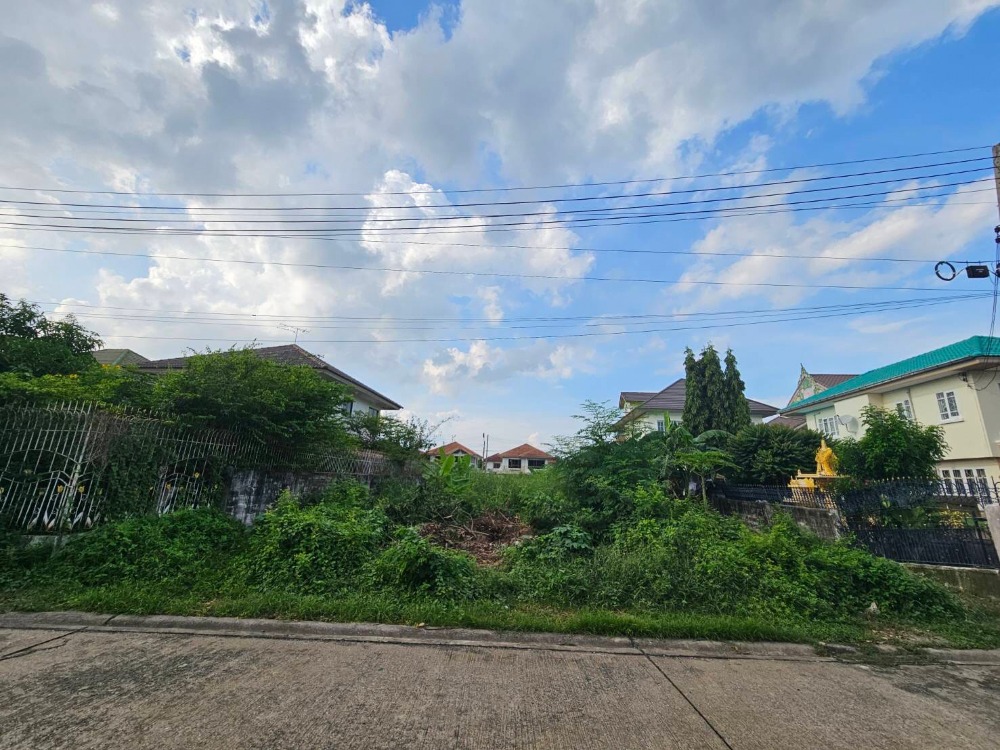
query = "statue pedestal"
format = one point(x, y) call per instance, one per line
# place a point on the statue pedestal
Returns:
point(814, 487)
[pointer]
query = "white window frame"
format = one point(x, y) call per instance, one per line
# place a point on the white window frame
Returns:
point(905, 408)
point(661, 425)
point(947, 402)
point(512, 465)
point(829, 426)
point(539, 463)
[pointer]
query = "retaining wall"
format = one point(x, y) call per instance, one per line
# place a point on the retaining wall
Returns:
point(824, 523)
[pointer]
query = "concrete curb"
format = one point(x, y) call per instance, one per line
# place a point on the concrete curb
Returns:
point(460, 637)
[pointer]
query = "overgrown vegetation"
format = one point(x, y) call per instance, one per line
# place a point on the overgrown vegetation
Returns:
point(601, 543)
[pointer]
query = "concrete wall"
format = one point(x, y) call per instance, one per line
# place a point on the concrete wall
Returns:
point(647, 422)
point(825, 524)
point(253, 491)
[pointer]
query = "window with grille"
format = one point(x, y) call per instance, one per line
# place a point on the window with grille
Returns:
point(513, 463)
point(536, 463)
point(660, 426)
point(947, 405)
point(905, 409)
point(829, 426)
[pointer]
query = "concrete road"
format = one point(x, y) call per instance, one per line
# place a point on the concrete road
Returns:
point(72, 680)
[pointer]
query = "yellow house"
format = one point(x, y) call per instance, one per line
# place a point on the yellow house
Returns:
point(956, 386)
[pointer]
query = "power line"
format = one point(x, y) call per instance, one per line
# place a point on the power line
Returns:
point(272, 317)
point(623, 220)
point(576, 199)
point(687, 253)
point(493, 338)
point(563, 186)
point(721, 319)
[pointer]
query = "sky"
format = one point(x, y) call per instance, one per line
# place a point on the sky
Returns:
point(122, 121)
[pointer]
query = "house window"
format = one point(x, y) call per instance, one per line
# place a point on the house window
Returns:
point(496, 464)
point(536, 463)
point(947, 405)
point(513, 463)
point(981, 481)
point(904, 408)
point(660, 426)
point(372, 411)
point(829, 426)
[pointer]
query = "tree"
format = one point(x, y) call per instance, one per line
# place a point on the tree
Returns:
point(695, 415)
point(893, 446)
point(705, 400)
point(736, 409)
point(766, 454)
point(705, 465)
point(397, 440)
point(33, 345)
point(274, 402)
point(107, 386)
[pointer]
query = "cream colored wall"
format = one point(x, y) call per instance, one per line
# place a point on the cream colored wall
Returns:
point(647, 422)
point(972, 437)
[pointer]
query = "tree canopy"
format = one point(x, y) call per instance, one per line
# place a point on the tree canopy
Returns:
point(893, 446)
point(772, 454)
point(714, 400)
point(31, 344)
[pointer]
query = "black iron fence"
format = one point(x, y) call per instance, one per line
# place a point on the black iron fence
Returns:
point(916, 521)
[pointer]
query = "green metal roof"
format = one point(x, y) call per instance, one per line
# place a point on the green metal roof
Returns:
point(970, 348)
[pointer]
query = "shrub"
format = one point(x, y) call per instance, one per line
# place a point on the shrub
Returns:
point(413, 564)
point(768, 454)
point(318, 548)
point(893, 446)
point(178, 548)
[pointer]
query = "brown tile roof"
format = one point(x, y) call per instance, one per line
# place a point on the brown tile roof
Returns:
point(793, 421)
point(451, 448)
point(634, 397)
point(521, 451)
point(828, 381)
point(289, 354)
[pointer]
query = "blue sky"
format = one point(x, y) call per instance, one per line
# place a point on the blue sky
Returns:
point(405, 98)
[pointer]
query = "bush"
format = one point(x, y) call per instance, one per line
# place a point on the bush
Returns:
point(413, 564)
point(768, 454)
point(893, 446)
point(178, 548)
point(318, 548)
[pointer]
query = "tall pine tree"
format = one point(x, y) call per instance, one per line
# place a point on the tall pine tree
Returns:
point(695, 409)
point(737, 415)
point(714, 384)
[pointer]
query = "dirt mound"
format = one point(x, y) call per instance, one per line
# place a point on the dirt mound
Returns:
point(482, 537)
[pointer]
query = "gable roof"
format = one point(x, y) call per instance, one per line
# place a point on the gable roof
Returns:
point(792, 421)
point(521, 451)
point(118, 357)
point(289, 354)
point(970, 348)
point(672, 398)
point(451, 448)
point(634, 397)
point(828, 381)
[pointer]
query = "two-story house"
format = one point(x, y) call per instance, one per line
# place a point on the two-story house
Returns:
point(648, 412)
point(366, 400)
point(956, 386)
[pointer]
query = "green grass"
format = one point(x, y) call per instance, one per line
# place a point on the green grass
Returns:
point(979, 630)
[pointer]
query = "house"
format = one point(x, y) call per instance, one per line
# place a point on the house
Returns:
point(120, 357)
point(457, 450)
point(650, 412)
point(956, 387)
point(520, 460)
point(808, 385)
point(366, 400)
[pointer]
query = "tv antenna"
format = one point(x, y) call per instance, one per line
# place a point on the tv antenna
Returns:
point(293, 329)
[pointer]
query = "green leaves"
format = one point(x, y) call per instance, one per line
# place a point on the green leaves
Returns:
point(714, 400)
point(766, 454)
point(31, 344)
point(893, 447)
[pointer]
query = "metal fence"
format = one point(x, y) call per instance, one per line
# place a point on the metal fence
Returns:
point(66, 467)
point(918, 521)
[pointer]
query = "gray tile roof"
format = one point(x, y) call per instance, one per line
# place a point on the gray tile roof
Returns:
point(672, 397)
point(118, 357)
point(828, 381)
point(290, 354)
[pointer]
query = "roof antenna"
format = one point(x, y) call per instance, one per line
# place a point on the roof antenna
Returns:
point(294, 330)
